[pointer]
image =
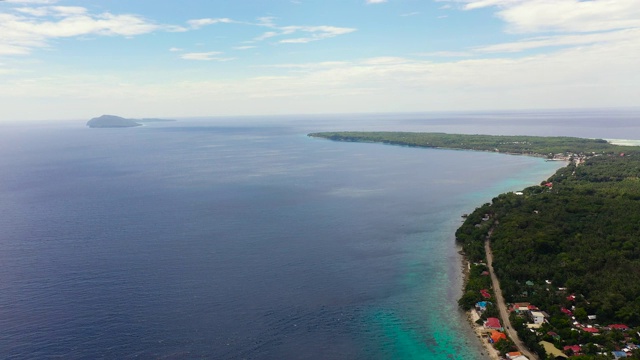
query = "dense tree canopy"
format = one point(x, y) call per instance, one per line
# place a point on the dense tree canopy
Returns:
point(532, 145)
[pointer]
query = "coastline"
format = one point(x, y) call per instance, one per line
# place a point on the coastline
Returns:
point(472, 315)
point(492, 353)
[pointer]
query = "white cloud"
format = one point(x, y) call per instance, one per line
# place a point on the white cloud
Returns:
point(198, 23)
point(10, 49)
point(602, 74)
point(529, 16)
point(448, 54)
point(32, 1)
point(59, 11)
point(313, 33)
point(266, 35)
point(175, 49)
point(245, 47)
point(477, 4)
point(376, 1)
point(31, 28)
point(562, 40)
point(572, 15)
point(39, 11)
point(575, 22)
point(204, 56)
point(316, 33)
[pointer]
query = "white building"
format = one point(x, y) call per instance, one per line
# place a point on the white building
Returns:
point(537, 317)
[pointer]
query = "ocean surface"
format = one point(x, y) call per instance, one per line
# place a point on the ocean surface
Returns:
point(242, 238)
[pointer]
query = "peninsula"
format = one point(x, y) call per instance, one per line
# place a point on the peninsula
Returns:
point(566, 252)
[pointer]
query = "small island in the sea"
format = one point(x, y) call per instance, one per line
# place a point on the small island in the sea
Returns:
point(112, 121)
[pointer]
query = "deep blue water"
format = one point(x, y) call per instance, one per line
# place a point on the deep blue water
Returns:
point(241, 238)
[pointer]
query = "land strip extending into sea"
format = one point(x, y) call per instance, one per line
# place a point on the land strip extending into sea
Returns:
point(609, 180)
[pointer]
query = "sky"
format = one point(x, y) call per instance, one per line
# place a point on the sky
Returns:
point(65, 59)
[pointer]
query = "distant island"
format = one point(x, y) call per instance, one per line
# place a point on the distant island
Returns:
point(112, 121)
point(566, 252)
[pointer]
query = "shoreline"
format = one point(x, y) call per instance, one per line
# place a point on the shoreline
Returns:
point(472, 315)
point(491, 352)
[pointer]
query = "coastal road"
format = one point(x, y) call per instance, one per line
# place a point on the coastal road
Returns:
point(502, 306)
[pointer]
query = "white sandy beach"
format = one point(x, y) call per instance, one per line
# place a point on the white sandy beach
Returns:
point(472, 316)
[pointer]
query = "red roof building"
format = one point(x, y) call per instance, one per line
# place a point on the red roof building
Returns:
point(485, 294)
point(574, 348)
point(493, 323)
point(566, 311)
point(591, 330)
point(618, 327)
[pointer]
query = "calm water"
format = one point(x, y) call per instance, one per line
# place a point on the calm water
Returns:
point(244, 239)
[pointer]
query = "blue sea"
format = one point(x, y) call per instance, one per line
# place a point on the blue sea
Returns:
point(242, 238)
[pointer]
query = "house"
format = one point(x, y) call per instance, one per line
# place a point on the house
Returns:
point(493, 323)
point(497, 336)
point(520, 307)
point(481, 305)
point(485, 294)
point(537, 317)
point(566, 311)
point(621, 327)
point(575, 349)
point(591, 330)
point(619, 354)
point(516, 355)
point(553, 335)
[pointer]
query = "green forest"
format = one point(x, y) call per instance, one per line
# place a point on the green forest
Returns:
point(577, 233)
point(528, 145)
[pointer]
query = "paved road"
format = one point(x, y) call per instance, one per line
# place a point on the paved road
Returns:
point(502, 307)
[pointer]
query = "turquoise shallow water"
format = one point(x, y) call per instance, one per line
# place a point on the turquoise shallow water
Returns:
point(209, 239)
point(434, 278)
